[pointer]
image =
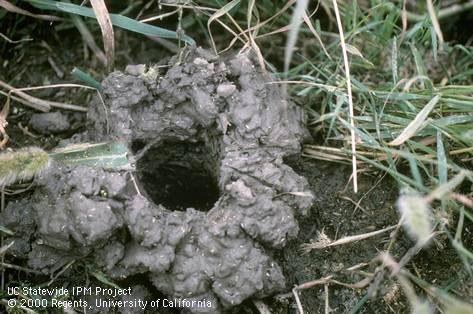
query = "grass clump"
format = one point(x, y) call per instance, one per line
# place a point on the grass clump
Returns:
point(398, 103)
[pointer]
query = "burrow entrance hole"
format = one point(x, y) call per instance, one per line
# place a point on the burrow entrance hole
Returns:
point(180, 175)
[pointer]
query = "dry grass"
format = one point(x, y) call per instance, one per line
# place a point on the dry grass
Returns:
point(381, 83)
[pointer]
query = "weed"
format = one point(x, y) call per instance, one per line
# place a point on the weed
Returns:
point(391, 94)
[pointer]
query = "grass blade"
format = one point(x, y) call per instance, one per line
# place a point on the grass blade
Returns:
point(350, 96)
point(112, 155)
point(219, 13)
point(442, 159)
point(296, 22)
point(447, 187)
point(435, 22)
point(103, 18)
point(12, 8)
point(116, 19)
point(415, 170)
point(103, 278)
point(86, 78)
point(316, 35)
point(88, 38)
point(394, 57)
point(415, 124)
point(6, 230)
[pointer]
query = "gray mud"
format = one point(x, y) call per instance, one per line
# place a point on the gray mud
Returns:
point(50, 122)
point(213, 197)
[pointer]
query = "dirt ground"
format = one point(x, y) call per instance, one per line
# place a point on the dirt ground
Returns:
point(335, 212)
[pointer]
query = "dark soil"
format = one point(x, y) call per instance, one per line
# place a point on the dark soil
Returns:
point(338, 217)
point(26, 64)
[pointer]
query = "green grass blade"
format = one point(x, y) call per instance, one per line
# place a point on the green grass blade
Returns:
point(6, 230)
point(112, 155)
point(103, 279)
point(117, 20)
point(394, 173)
point(86, 78)
point(415, 170)
point(359, 304)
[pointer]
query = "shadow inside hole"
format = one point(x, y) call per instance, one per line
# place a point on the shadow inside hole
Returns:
point(179, 175)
